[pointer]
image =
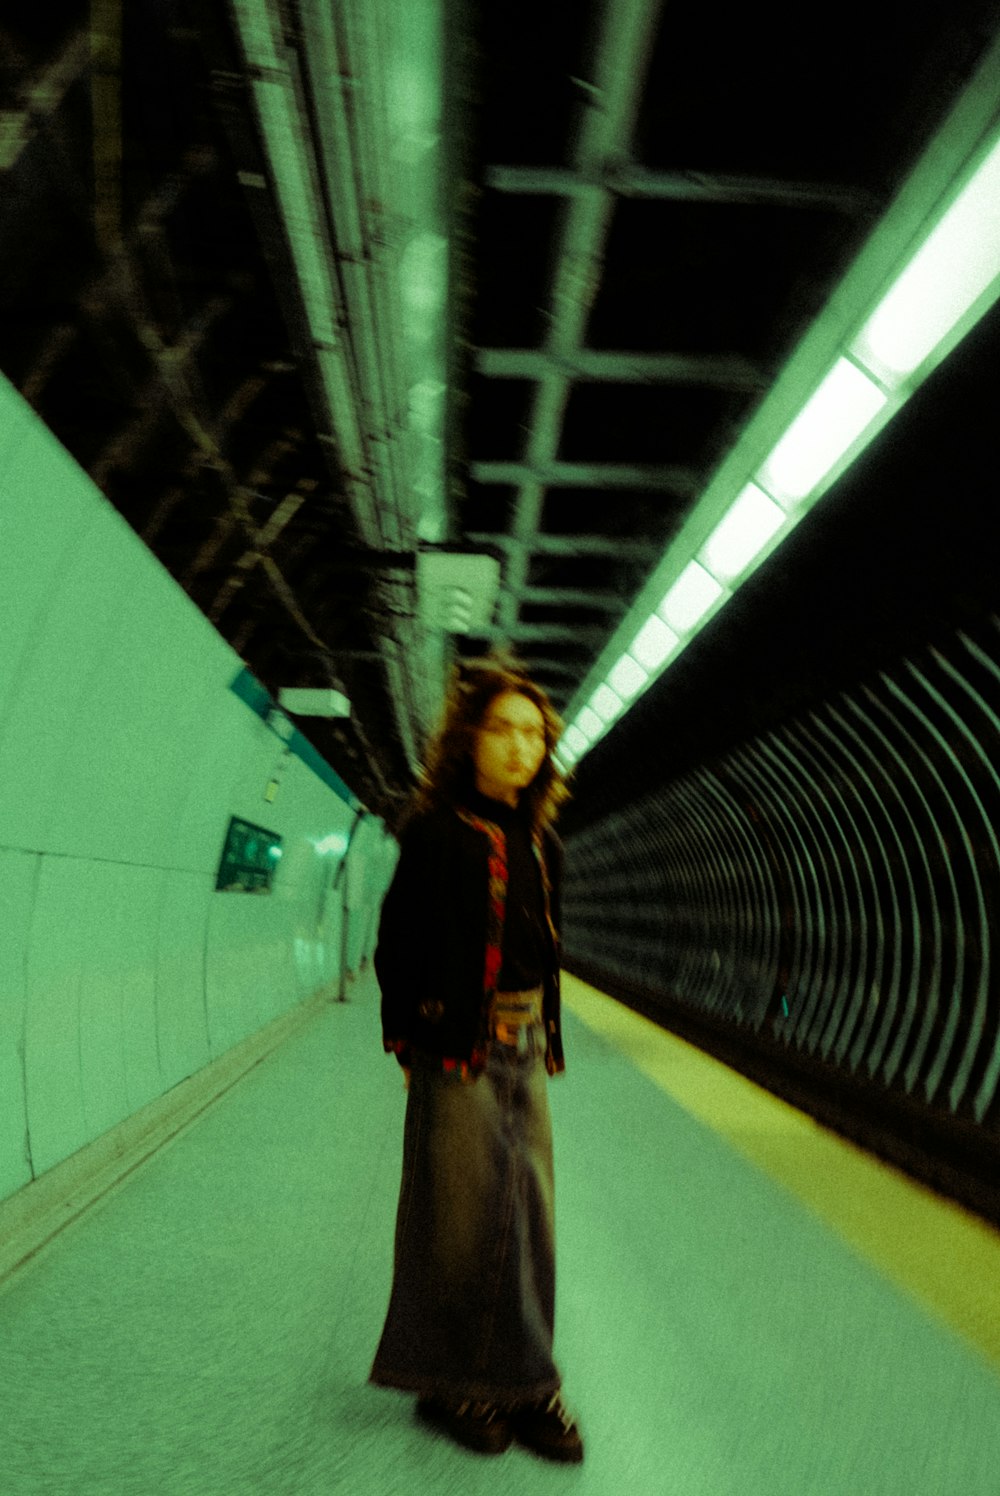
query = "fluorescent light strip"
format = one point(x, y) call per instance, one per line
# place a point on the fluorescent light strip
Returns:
point(690, 598)
point(628, 677)
point(742, 534)
point(654, 643)
point(945, 287)
point(952, 273)
point(828, 426)
point(575, 740)
point(589, 723)
point(606, 703)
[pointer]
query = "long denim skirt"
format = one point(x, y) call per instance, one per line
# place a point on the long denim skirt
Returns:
point(472, 1307)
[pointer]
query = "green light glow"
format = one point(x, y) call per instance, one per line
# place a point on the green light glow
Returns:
point(258, 37)
point(606, 703)
point(951, 270)
point(413, 96)
point(744, 532)
point(404, 77)
point(828, 425)
point(653, 643)
point(284, 133)
point(589, 723)
point(575, 741)
point(627, 677)
point(335, 843)
point(690, 598)
point(424, 283)
point(937, 250)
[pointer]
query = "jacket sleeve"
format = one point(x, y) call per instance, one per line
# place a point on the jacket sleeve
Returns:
point(554, 864)
point(399, 946)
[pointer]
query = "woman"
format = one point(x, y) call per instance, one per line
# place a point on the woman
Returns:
point(467, 960)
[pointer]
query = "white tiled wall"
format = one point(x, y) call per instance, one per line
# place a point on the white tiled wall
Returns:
point(123, 754)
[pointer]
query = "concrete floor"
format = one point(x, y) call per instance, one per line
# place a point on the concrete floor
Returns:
point(208, 1328)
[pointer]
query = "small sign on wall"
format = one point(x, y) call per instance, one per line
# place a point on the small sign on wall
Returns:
point(249, 859)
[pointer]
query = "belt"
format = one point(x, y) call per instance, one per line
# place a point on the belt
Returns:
point(514, 1010)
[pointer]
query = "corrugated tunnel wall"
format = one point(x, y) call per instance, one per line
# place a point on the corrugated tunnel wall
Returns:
point(818, 908)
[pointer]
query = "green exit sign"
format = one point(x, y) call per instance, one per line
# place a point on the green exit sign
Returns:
point(249, 859)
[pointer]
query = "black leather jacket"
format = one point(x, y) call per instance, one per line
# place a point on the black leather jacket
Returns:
point(445, 906)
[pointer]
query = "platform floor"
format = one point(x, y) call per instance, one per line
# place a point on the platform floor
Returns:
point(744, 1304)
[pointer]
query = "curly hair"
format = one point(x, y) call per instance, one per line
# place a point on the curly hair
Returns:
point(449, 771)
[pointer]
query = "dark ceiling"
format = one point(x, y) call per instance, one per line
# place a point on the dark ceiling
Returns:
point(646, 206)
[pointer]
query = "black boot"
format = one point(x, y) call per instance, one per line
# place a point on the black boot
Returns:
point(475, 1425)
point(548, 1429)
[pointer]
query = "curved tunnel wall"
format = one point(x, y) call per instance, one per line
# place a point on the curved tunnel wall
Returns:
point(821, 908)
point(124, 751)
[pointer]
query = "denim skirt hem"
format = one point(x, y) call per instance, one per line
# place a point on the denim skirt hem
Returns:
point(472, 1308)
point(506, 1398)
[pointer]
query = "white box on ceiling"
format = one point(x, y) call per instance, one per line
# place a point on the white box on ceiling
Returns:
point(304, 703)
point(457, 590)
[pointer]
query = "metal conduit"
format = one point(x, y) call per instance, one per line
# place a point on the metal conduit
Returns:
point(972, 937)
point(990, 1049)
point(947, 915)
point(851, 954)
point(789, 928)
point(756, 883)
point(907, 948)
point(823, 860)
point(827, 892)
point(738, 897)
point(800, 983)
point(927, 954)
point(728, 910)
point(693, 891)
point(868, 981)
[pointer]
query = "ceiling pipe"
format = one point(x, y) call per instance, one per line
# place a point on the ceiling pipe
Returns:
point(352, 387)
point(347, 63)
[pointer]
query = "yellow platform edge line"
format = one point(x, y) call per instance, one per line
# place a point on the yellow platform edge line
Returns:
point(942, 1255)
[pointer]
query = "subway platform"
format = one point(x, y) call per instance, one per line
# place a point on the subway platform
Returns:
point(746, 1305)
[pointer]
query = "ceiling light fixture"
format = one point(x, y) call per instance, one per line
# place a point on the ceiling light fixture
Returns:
point(302, 702)
point(606, 703)
point(826, 430)
point(946, 287)
point(753, 520)
point(457, 590)
point(937, 250)
point(690, 598)
point(627, 677)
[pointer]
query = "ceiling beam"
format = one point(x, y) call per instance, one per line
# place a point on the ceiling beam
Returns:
point(254, 554)
point(623, 50)
point(42, 98)
point(627, 180)
point(639, 552)
point(682, 481)
point(591, 636)
point(566, 597)
point(106, 115)
point(173, 369)
point(726, 371)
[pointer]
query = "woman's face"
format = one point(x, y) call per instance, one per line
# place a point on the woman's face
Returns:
point(509, 746)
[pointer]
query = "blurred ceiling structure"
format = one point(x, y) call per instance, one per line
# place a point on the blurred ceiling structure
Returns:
point(339, 302)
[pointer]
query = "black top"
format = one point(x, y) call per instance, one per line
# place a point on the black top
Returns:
point(430, 954)
point(524, 927)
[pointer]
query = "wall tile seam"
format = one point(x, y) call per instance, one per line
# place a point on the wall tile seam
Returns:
point(156, 867)
point(23, 1046)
